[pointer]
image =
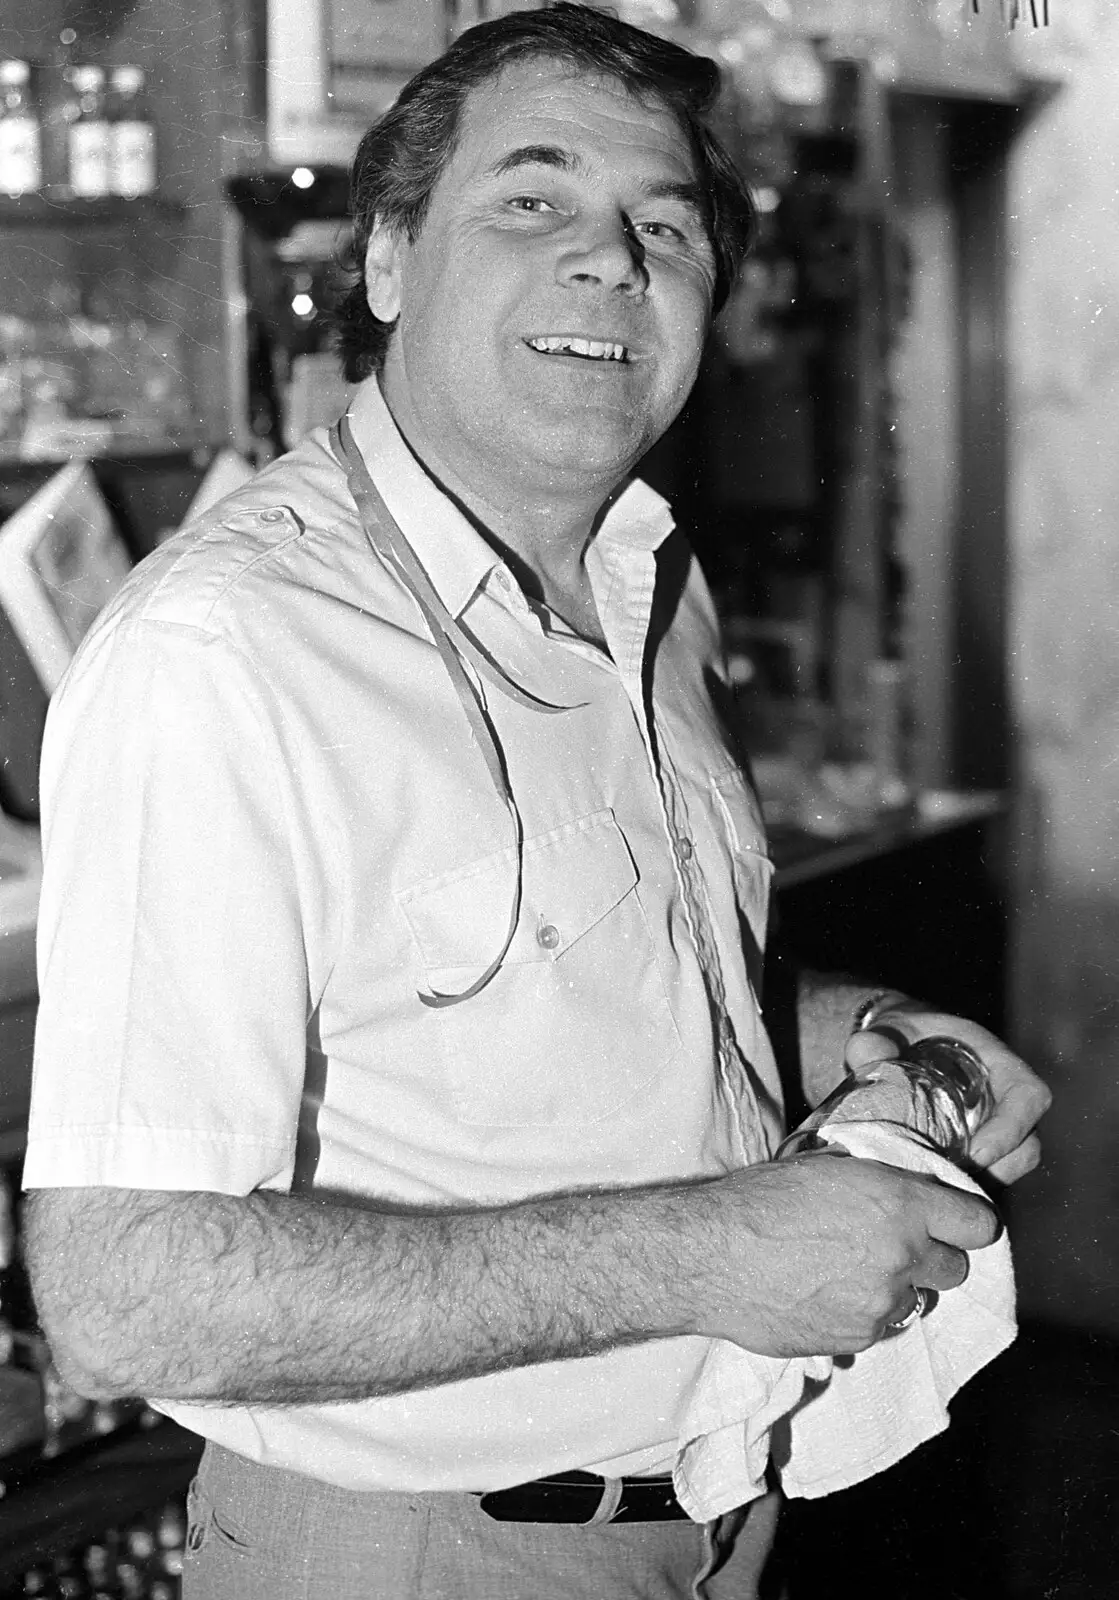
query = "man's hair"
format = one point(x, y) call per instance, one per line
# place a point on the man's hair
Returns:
point(402, 156)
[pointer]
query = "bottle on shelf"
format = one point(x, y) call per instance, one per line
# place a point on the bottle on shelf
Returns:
point(69, 1581)
point(141, 1560)
point(132, 152)
point(100, 1567)
point(88, 134)
point(21, 131)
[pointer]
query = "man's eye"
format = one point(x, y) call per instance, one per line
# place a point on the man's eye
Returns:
point(658, 230)
point(528, 202)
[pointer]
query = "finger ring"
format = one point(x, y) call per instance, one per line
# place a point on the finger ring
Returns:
point(917, 1309)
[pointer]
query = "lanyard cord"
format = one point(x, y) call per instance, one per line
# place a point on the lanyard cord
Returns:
point(387, 540)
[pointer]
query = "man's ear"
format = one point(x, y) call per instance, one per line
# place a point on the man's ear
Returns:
point(382, 273)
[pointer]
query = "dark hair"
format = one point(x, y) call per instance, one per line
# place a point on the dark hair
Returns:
point(402, 156)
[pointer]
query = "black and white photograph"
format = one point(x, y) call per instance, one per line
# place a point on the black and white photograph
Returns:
point(559, 799)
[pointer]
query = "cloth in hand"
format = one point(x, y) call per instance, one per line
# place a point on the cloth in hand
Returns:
point(829, 1423)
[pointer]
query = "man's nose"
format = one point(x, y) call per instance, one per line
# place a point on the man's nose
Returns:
point(609, 255)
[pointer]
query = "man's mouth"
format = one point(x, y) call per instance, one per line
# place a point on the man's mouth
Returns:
point(586, 349)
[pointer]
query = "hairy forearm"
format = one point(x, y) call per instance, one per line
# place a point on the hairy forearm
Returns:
point(270, 1298)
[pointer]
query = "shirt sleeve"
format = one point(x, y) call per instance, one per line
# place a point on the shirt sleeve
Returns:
point(171, 1039)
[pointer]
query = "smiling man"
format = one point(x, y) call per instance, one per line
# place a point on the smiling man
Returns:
point(402, 1104)
point(579, 209)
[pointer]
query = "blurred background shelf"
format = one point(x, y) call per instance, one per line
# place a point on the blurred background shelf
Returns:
point(800, 856)
point(43, 211)
point(71, 1500)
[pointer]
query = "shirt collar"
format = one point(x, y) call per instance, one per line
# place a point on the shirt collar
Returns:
point(638, 518)
point(455, 556)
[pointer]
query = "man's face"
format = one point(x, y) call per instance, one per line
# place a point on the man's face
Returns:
point(553, 309)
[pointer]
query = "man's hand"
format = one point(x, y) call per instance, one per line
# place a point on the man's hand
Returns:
point(821, 1253)
point(1006, 1145)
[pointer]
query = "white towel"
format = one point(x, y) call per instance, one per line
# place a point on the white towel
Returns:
point(830, 1424)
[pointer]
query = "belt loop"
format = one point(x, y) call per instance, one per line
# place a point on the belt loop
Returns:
point(611, 1500)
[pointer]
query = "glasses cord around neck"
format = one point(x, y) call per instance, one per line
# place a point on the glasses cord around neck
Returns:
point(387, 540)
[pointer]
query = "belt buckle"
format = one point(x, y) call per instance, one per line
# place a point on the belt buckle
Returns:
point(648, 1500)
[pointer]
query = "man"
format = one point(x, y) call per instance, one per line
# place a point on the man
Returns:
point(402, 1101)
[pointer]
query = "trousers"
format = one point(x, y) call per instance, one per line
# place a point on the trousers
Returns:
point(261, 1533)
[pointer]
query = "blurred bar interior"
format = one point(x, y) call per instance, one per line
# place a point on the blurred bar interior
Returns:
point(899, 472)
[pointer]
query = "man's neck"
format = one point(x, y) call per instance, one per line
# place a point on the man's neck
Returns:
point(544, 547)
point(543, 525)
point(541, 530)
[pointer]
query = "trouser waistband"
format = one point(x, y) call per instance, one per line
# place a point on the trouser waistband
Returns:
point(579, 1497)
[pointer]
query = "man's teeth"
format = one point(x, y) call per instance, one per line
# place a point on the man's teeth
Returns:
point(596, 349)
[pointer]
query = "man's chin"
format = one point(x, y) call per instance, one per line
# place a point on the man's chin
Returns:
point(592, 451)
point(596, 475)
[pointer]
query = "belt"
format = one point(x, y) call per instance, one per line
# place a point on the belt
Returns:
point(576, 1496)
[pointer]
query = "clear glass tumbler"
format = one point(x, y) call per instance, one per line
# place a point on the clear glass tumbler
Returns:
point(938, 1087)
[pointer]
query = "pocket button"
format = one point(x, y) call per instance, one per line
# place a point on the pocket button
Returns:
point(547, 936)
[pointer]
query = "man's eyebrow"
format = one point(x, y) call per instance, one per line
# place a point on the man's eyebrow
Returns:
point(534, 155)
point(688, 193)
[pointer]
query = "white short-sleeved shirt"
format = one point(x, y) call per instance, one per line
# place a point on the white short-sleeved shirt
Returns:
point(268, 831)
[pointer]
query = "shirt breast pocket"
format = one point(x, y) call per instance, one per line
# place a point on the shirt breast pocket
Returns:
point(575, 1022)
point(740, 815)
